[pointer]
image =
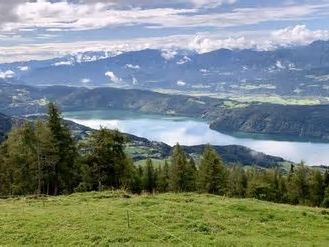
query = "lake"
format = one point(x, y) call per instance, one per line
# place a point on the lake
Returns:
point(189, 131)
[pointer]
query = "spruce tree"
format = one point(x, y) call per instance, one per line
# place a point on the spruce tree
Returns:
point(237, 182)
point(325, 202)
point(47, 157)
point(65, 168)
point(212, 173)
point(191, 175)
point(109, 166)
point(149, 179)
point(136, 185)
point(317, 188)
point(164, 178)
point(326, 179)
point(181, 171)
point(299, 185)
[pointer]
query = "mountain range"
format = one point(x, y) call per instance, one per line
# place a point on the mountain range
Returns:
point(293, 71)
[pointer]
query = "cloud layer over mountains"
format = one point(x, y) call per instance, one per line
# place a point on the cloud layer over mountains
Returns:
point(38, 29)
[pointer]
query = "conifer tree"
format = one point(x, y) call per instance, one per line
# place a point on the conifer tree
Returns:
point(27, 159)
point(47, 156)
point(237, 182)
point(106, 159)
point(20, 162)
point(136, 185)
point(179, 170)
point(64, 168)
point(191, 175)
point(164, 178)
point(317, 188)
point(325, 202)
point(292, 170)
point(149, 178)
point(299, 185)
point(212, 173)
point(326, 179)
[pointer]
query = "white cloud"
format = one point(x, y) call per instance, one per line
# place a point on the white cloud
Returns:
point(55, 16)
point(7, 74)
point(63, 63)
point(184, 60)
point(201, 43)
point(23, 68)
point(204, 71)
point(279, 65)
point(85, 80)
point(62, 15)
point(168, 54)
point(131, 66)
point(150, 4)
point(134, 81)
point(298, 34)
point(112, 48)
point(113, 77)
point(7, 10)
point(210, 3)
point(181, 83)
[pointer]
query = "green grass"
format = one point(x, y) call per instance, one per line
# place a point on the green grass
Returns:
point(162, 220)
point(251, 98)
point(281, 100)
point(156, 162)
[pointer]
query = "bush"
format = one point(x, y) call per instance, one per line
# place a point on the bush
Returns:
point(325, 203)
point(83, 187)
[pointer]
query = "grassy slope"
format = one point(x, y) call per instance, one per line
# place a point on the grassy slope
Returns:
point(198, 220)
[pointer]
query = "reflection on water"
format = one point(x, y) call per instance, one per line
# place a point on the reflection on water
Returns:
point(186, 131)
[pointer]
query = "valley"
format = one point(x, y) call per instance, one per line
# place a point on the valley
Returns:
point(164, 123)
point(191, 132)
point(281, 122)
point(278, 130)
point(140, 148)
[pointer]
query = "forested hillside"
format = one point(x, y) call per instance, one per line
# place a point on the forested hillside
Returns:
point(5, 126)
point(44, 158)
point(308, 123)
point(140, 148)
point(281, 121)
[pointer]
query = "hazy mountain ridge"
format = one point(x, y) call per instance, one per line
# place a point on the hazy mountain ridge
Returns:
point(286, 71)
point(309, 123)
point(299, 122)
point(18, 100)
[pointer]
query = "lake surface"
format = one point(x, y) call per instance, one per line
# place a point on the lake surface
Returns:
point(189, 131)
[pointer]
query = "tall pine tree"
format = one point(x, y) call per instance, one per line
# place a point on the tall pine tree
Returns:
point(150, 177)
point(212, 177)
point(65, 167)
point(164, 178)
point(181, 171)
point(108, 164)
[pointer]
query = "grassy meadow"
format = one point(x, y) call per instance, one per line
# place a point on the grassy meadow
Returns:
point(187, 219)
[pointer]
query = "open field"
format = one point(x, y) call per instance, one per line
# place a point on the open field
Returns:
point(187, 219)
point(281, 100)
point(245, 99)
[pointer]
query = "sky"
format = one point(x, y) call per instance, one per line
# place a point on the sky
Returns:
point(42, 29)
